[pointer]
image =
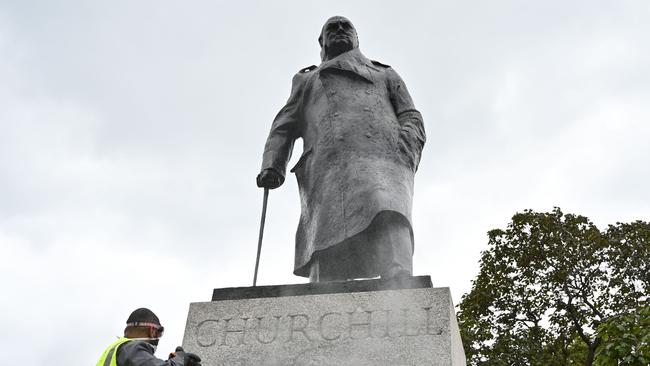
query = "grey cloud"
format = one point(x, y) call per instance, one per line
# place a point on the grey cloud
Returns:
point(132, 133)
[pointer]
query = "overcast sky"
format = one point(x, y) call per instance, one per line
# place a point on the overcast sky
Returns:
point(131, 133)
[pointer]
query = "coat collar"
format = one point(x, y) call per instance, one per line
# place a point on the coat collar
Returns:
point(353, 61)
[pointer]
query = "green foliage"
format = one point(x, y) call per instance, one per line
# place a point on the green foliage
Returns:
point(626, 339)
point(546, 284)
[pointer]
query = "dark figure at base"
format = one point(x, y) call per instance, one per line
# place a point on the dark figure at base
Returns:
point(137, 347)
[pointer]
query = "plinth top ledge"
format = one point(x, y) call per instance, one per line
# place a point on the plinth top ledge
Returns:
point(320, 288)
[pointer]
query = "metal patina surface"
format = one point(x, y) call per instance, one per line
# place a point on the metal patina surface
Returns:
point(362, 141)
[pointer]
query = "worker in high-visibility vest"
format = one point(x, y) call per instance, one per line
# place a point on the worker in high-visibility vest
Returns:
point(136, 348)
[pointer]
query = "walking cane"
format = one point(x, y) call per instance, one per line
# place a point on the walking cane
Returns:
point(259, 241)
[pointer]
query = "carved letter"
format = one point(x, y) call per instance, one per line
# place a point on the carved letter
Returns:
point(240, 332)
point(320, 327)
point(275, 330)
point(198, 331)
point(292, 327)
point(406, 329)
point(386, 325)
point(429, 329)
point(366, 324)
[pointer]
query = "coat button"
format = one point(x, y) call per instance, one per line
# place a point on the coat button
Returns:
point(336, 114)
point(368, 135)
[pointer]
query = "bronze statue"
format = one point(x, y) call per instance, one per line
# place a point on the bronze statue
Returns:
point(362, 141)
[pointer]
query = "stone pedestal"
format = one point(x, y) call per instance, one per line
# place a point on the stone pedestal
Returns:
point(357, 323)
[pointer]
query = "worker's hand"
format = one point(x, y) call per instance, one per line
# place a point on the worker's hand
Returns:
point(191, 359)
point(178, 353)
point(269, 178)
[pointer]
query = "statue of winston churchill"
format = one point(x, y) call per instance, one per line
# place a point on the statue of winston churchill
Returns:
point(362, 142)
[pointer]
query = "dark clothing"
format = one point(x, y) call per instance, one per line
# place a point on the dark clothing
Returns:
point(386, 243)
point(362, 141)
point(140, 353)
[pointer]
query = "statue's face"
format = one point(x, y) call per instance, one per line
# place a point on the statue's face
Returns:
point(338, 36)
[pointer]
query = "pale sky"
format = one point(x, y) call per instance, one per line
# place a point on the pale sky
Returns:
point(131, 133)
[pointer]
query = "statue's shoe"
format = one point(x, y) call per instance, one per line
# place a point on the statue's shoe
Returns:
point(396, 271)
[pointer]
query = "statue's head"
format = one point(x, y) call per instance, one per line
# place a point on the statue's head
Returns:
point(337, 36)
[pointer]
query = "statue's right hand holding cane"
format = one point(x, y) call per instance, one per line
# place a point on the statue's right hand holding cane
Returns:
point(267, 179)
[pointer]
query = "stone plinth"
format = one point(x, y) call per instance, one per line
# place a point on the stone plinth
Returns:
point(373, 322)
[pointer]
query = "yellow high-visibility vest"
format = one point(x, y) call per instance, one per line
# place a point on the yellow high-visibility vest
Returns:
point(109, 357)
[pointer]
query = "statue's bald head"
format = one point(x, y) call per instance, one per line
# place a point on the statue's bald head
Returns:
point(337, 36)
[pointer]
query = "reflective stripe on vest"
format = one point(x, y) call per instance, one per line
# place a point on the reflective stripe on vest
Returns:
point(109, 357)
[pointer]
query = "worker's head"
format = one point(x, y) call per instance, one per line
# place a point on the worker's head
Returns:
point(337, 36)
point(144, 324)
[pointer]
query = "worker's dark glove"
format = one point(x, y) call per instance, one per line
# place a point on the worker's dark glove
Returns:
point(269, 178)
point(189, 359)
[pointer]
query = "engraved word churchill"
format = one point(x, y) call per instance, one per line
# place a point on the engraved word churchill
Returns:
point(331, 326)
point(362, 141)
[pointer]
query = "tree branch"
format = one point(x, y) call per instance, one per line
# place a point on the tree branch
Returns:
point(571, 313)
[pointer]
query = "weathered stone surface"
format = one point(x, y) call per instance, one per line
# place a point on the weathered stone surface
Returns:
point(413, 326)
point(320, 288)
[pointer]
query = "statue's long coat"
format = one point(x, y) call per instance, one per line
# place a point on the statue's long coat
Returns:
point(362, 140)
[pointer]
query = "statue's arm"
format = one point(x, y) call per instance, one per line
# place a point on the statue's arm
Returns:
point(412, 134)
point(284, 131)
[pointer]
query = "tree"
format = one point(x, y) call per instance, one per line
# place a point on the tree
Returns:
point(626, 339)
point(545, 286)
